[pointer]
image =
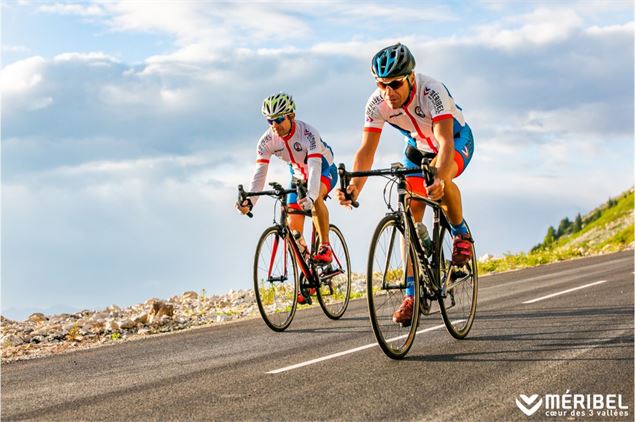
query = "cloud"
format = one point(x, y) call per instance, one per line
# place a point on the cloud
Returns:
point(117, 175)
point(72, 9)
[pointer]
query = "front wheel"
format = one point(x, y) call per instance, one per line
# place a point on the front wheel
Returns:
point(334, 291)
point(275, 280)
point(459, 287)
point(391, 261)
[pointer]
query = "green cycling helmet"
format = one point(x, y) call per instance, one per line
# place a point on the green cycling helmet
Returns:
point(277, 105)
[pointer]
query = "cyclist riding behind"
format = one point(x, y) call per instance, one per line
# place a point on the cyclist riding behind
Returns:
point(423, 110)
point(310, 160)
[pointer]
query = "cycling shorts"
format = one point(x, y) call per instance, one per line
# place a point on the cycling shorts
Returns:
point(463, 150)
point(328, 178)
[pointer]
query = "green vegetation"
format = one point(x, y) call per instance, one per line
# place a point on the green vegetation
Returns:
point(608, 228)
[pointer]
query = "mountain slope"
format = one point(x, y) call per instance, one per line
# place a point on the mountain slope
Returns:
point(608, 228)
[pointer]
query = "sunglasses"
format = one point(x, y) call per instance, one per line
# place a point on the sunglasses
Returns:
point(277, 120)
point(396, 84)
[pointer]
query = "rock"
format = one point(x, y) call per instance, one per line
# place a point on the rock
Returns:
point(190, 295)
point(161, 309)
point(486, 258)
point(152, 301)
point(127, 324)
point(112, 326)
point(10, 340)
point(96, 327)
point(37, 317)
point(141, 318)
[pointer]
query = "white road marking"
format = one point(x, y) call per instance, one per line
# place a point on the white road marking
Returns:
point(346, 352)
point(564, 291)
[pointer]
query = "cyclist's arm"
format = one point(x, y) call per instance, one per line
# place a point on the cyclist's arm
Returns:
point(443, 134)
point(314, 163)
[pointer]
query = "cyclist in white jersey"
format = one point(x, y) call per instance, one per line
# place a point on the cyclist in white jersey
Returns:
point(423, 110)
point(310, 160)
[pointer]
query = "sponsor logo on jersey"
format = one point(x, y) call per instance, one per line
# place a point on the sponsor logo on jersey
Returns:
point(466, 152)
point(426, 91)
point(372, 105)
point(369, 119)
point(311, 139)
point(436, 101)
point(262, 146)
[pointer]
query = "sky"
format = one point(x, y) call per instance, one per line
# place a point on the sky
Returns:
point(127, 125)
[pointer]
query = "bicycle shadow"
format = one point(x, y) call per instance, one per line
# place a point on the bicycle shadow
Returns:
point(522, 337)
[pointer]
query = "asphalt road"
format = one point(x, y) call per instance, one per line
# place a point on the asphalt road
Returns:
point(575, 343)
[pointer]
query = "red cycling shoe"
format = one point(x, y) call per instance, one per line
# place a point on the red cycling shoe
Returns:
point(324, 255)
point(462, 250)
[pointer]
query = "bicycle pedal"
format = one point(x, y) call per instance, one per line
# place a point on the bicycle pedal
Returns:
point(404, 324)
point(425, 307)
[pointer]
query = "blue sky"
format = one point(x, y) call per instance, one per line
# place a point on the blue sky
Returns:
point(127, 125)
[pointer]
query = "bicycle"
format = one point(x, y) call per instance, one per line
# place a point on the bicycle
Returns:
point(278, 255)
point(435, 277)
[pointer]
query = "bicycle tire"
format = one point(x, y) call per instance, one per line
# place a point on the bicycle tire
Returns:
point(386, 287)
point(275, 282)
point(458, 298)
point(334, 290)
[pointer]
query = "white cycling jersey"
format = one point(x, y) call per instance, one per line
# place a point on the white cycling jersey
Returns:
point(430, 101)
point(302, 148)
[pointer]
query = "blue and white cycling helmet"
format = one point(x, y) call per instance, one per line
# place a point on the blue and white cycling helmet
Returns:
point(277, 105)
point(395, 60)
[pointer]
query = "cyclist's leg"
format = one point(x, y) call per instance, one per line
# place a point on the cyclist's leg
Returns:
point(451, 202)
point(295, 221)
point(328, 180)
point(321, 213)
point(414, 182)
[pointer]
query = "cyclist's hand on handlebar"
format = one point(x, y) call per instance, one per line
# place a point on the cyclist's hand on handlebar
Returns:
point(352, 190)
point(244, 207)
point(437, 189)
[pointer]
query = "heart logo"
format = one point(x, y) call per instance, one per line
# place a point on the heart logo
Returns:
point(527, 405)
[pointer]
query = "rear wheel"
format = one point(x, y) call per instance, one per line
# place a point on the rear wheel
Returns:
point(335, 278)
point(459, 288)
point(388, 266)
point(275, 280)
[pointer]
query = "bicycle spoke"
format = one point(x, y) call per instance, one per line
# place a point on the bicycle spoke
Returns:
point(387, 272)
point(335, 279)
point(460, 286)
point(275, 282)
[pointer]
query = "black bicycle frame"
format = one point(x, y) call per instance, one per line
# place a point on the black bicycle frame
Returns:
point(439, 218)
point(283, 227)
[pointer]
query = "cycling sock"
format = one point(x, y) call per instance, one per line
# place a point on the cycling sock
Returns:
point(410, 286)
point(459, 229)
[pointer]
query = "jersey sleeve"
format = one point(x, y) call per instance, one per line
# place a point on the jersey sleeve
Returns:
point(263, 155)
point(314, 162)
point(374, 122)
point(440, 102)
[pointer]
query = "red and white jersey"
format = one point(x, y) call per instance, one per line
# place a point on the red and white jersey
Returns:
point(302, 148)
point(430, 101)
